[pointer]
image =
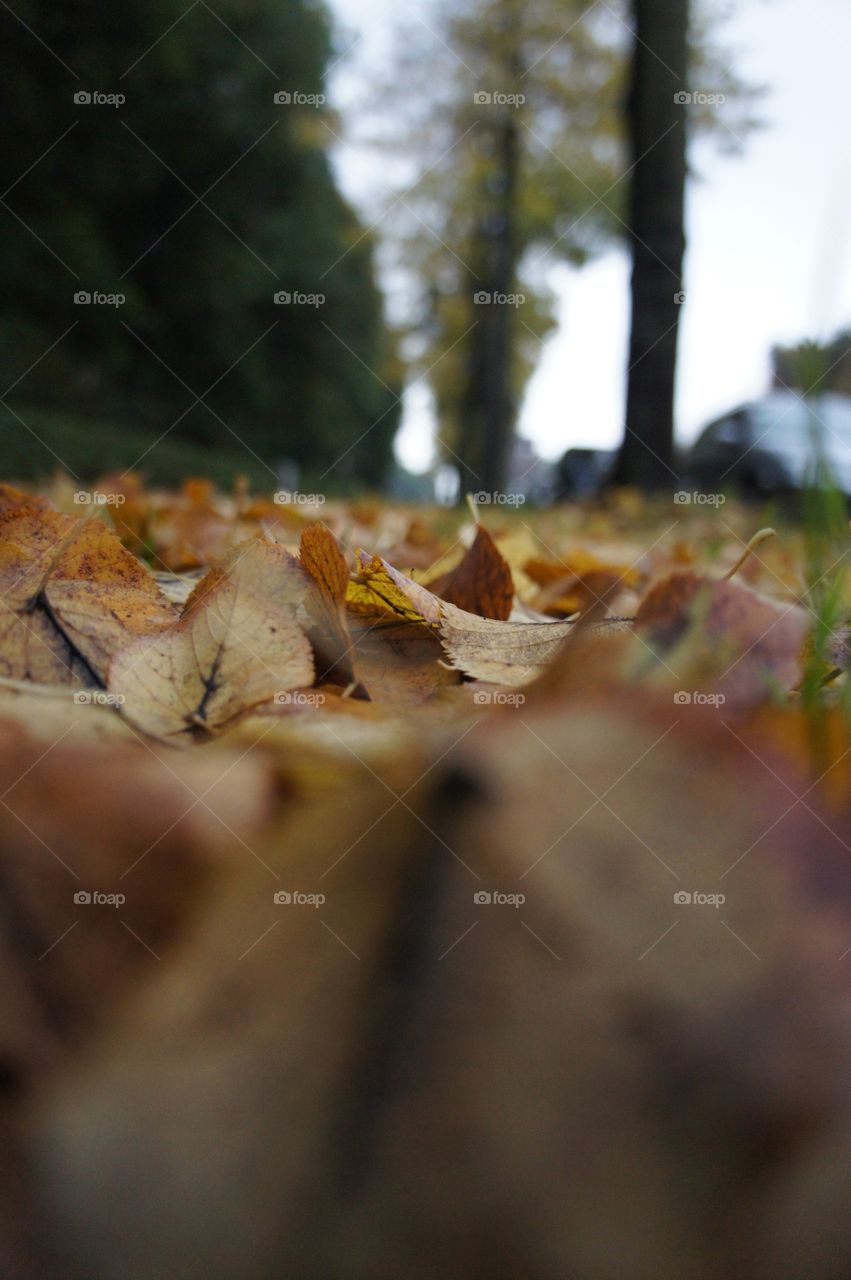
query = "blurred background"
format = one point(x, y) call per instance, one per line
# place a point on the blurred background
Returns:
point(423, 248)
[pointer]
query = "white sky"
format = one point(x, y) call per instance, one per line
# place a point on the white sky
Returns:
point(769, 257)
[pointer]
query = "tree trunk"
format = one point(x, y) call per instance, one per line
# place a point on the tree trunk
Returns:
point(490, 409)
point(657, 130)
point(490, 412)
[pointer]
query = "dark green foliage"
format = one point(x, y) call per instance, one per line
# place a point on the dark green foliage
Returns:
point(112, 207)
point(809, 364)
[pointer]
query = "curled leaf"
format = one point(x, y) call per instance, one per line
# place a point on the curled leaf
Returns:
point(322, 557)
point(484, 648)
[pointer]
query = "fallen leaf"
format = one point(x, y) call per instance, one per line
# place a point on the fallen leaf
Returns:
point(131, 516)
point(12, 498)
point(574, 593)
point(323, 559)
point(576, 564)
point(236, 646)
point(401, 664)
point(191, 531)
point(380, 591)
point(103, 597)
point(723, 636)
point(81, 821)
point(683, 1053)
point(507, 653)
point(481, 583)
point(70, 597)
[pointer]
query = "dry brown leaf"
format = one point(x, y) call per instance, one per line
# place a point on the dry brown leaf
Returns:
point(681, 1053)
point(131, 516)
point(190, 531)
point(12, 498)
point(509, 653)
point(573, 593)
point(322, 557)
point(236, 646)
point(575, 563)
point(103, 597)
point(481, 582)
point(401, 664)
point(70, 597)
point(724, 635)
point(97, 820)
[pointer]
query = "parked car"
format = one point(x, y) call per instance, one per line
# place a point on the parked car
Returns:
point(582, 473)
point(774, 445)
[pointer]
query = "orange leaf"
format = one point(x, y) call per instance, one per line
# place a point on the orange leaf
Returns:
point(323, 559)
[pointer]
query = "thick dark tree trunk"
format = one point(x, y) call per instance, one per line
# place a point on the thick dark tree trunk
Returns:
point(657, 128)
point(491, 410)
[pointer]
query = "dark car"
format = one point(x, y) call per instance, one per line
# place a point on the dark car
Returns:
point(775, 445)
point(582, 473)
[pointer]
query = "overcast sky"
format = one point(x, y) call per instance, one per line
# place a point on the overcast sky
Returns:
point(769, 257)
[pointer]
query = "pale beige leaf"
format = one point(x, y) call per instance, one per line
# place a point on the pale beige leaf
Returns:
point(237, 645)
point(510, 653)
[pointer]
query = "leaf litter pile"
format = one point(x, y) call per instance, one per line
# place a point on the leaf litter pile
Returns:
point(387, 892)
